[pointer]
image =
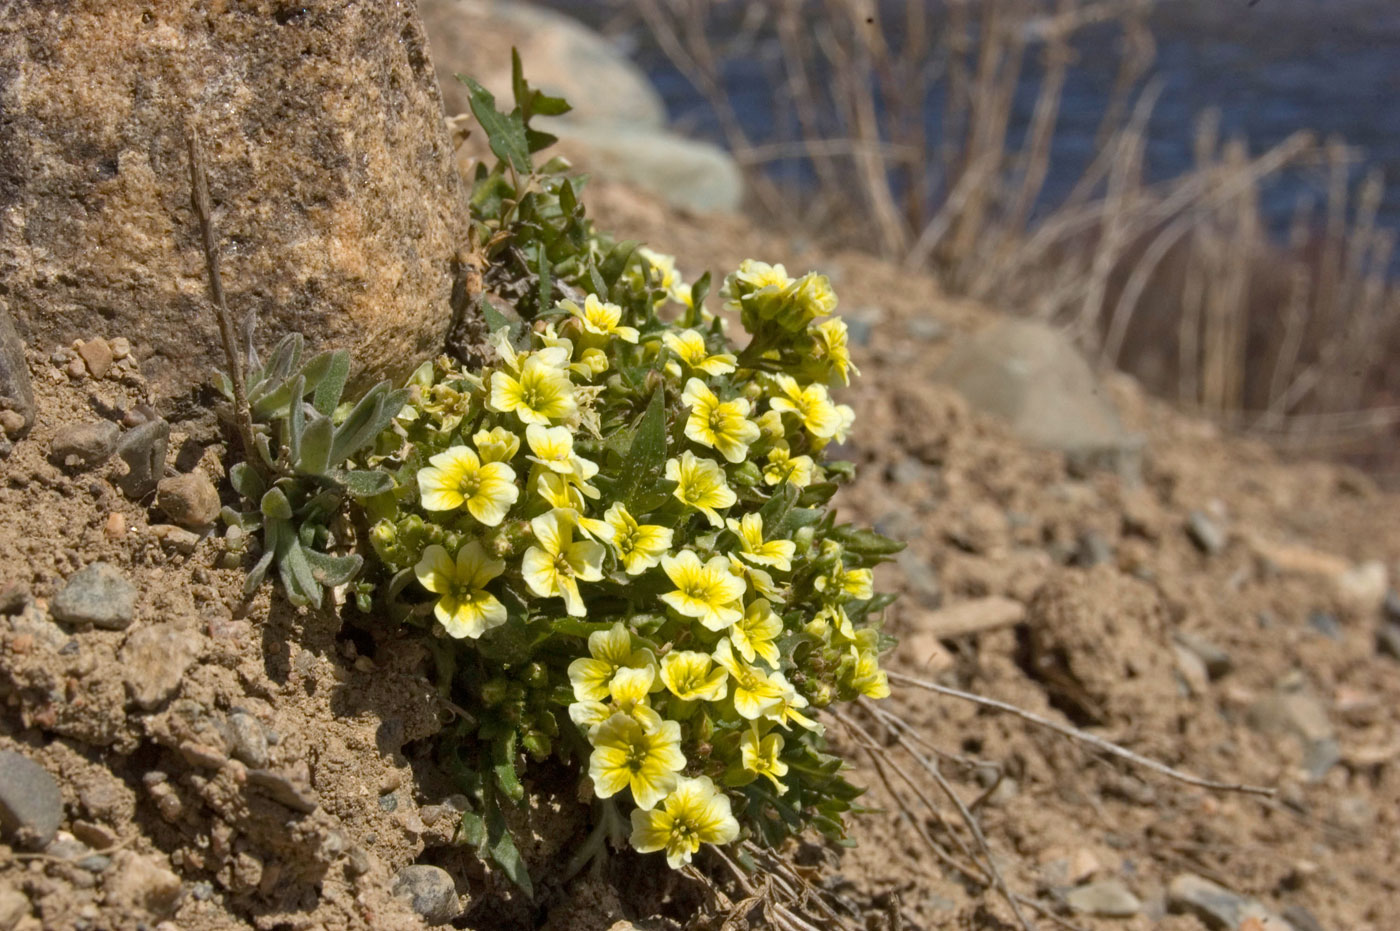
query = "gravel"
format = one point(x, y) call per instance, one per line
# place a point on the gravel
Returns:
point(99, 595)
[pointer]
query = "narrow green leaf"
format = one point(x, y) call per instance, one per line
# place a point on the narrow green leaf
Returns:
point(331, 571)
point(504, 132)
point(538, 140)
point(542, 269)
point(700, 290)
point(503, 766)
point(332, 383)
point(865, 542)
point(471, 830)
point(500, 846)
point(247, 481)
point(300, 584)
point(644, 465)
point(615, 263)
point(257, 574)
point(316, 440)
point(365, 483)
point(296, 421)
point(275, 506)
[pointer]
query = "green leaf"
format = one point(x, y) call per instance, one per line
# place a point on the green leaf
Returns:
point(247, 481)
point(316, 447)
point(332, 383)
point(504, 132)
point(503, 766)
point(297, 578)
point(297, 420)
point(257, 574)
point(699, 291)
point(542, 269)
point(793, 521)
point(640, 488)
point(365, 483)
point(367, 420)
point(500, 846)
point(865, 542)
point(537, 140)
point(471, 830)
point(275, 506)
point(776, 508)
point(331, 571)
point(615, 263)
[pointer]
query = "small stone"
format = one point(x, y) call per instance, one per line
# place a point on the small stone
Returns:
point(1364, 586)
point(357, 862)
point(86, 445)
point(1107, 898)
point(925, 329)
point(1388, 639)
point(153, 661)
point(1205, 533)
point(121, 348)
point(76, 369)
point(99, 595)
point(97, 355)
point(1093, 549)
point(429, 891)
point(283, 788)
point(13, 597)
point(175, 538)
point(14, 908)
point(95, 835)
point(1301, 919)
point(11, 422)
point(1218, 663)
point(1192, 670)
point(1295, 713)
point(1217, 907)
point(143, 450)
point(142, 883)
point(1355, 813)
point(31, 805)
point(190, 500)
point(248, 740)
point(1325, 623)
point(1390, 607)
point(115, 527)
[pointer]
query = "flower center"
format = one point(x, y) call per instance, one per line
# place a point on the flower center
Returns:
point(561, 565)
point(470, 484)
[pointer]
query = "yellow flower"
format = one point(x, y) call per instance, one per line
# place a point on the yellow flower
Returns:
point(694, 813)
point(721, 425)
point(868, 678)
point(628, 693)
point(802, 301)
point(458, 477)
point(608, 651)
point(752, 548)
point(706, 591)
point(689, 347)
point(626, 755)
point(465, 608)
point(783, 466)
point(553, 448)
point(700, 484)
point(496, 445)
point(663, 268)
point(600, 318)
point(847, 584)
point(565, 494)
point(753, 636)
point(757, 578)
point(788, 710)
point(754, 693)
point(689, 677)
point(812, 405)
point(752, 278)
point(542, 393)
point(639, 546)
point(556, 564)
point(831, 345)
point(760, 756)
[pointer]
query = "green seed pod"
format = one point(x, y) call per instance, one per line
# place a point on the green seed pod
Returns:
point(536, 675)
point(803, 538)
point(384, 537)
point(495, 691)
point(537, 744)
point(747, 475)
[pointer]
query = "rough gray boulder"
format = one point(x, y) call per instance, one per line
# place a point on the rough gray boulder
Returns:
point(330, 168)
point(16, 393)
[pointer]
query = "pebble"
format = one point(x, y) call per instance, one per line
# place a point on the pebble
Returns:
point(176, 538)
point(1325, 623)
point(13, 597)
point(248, 740)
point(154, 660)
point(11, 422)
point(1390, 607)
point(141, 883)
point(115, 527)
point(1218, 663)
point(99, 595)
point(430, 892)
point(143, 450)
point(190, 500)
point(76, 369)
point(14, 908)
point(1208, 536)
point(925, 329)
point(1092, 549)
point(281, 787)
point(1388, 639)
point(1295, 713)
point(31, 805)
point(1301, 919)
point(1217, 907)
point(97, 355)
point(121, 348)
point(1107, 898)
point(87, 445)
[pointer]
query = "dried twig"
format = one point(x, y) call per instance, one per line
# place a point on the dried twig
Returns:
point(1074, 733)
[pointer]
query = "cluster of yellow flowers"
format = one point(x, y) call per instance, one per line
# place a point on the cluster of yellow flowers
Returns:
point(633, 484)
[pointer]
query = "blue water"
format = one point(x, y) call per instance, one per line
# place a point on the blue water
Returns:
point(1331, 66)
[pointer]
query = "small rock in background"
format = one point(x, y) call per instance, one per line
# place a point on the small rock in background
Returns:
point(190, 500)
point(121, 348)
point(143, 450)
point(247, 739)
point(1325, 623)
point(1291, 711)
point(1388, 639)
point(1390, 607)
point(154, 659)
point(1364, 586)
point(141, 883)
point(1210, 538)
point(430, 892)
point(14, 908)
point(13, 597)
point(1301, 919)
point(925, 329)
point(1107, 898)
point(31, 805)
point(920, 579)
point(99, 595)
point(115, 526)
point(175, 538)
point(1217, 907)
point(16, 392)
point(96, 355)
point(1217, 662)
point(87, 445)
point(1092, 549)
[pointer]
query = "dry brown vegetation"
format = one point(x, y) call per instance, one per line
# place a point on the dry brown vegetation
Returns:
point(1177, 282)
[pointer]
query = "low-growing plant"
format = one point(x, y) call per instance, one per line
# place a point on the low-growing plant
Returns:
point(616, 535)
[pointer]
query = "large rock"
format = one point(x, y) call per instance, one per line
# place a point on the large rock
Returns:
point(329, 164)
point(1032, 376)
point(16, 393)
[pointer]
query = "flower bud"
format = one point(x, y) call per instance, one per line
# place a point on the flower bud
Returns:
point(494, 691)
point(747, 475)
